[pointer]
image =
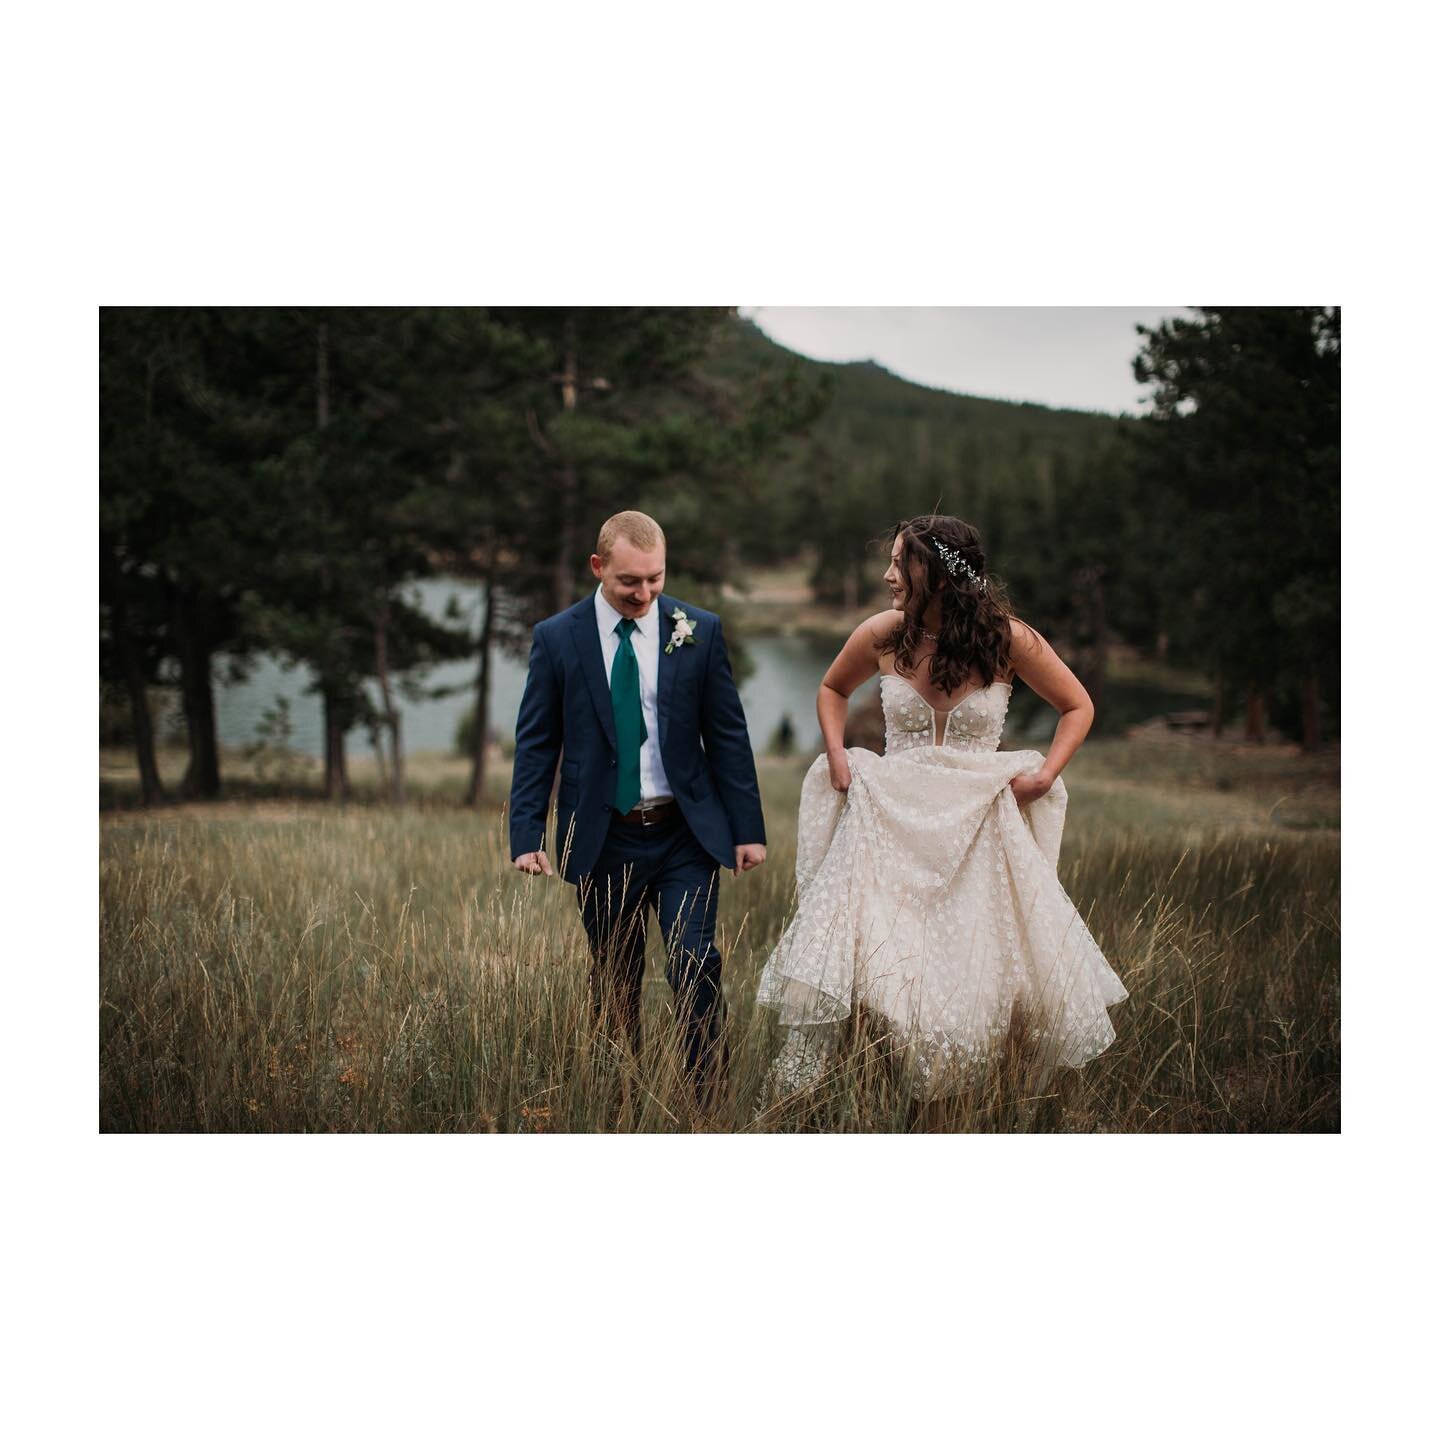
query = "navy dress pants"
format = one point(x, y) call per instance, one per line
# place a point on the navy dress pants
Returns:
point(662, 869)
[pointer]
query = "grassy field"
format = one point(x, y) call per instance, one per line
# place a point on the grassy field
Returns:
point(271, 963)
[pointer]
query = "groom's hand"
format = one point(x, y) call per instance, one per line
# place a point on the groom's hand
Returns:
point(747, 857)
point(537, 862)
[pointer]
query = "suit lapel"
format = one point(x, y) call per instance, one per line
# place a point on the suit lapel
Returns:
point(666, 680)
point(585, 634)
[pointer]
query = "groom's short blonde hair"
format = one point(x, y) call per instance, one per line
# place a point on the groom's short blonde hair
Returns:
point(638, 528)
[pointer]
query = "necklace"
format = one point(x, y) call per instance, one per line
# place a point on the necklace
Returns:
point(929, 634)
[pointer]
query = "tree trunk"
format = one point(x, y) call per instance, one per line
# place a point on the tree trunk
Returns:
point(202, 774)
point(377, 744)
point(152, 792)
point(392, 715)
point(482, 701)
point(337, 779)
point(1217, 711)
point(1310, 711)
point(1255, 713)
point(397, 760)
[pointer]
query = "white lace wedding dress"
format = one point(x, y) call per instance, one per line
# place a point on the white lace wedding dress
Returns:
point(927, 894)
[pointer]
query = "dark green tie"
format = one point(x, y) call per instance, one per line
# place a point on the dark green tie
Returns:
point(630, 732)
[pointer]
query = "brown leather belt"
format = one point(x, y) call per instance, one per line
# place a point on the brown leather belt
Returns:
point(656, 812)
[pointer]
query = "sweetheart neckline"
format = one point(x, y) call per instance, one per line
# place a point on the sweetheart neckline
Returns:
point(890, 675)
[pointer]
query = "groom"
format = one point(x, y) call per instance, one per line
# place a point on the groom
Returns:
point(631, 692)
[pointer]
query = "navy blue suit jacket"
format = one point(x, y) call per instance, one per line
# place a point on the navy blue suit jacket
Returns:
point(704, 743)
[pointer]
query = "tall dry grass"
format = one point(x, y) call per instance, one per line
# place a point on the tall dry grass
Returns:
point(277, 965)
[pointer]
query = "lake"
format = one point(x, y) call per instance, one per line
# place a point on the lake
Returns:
point(787, 673)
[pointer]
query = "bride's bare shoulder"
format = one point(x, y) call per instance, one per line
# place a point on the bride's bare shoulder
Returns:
point(874, 630)
point(1026, 645)
point(1025, 640)
point(881, 626)
point(860, 656)
point(871, 632)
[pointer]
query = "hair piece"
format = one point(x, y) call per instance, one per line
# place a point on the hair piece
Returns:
point(975, 612)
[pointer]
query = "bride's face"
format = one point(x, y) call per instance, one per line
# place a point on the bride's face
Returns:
point(894, 578)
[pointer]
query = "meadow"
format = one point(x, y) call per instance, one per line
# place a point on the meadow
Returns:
point(273, 963)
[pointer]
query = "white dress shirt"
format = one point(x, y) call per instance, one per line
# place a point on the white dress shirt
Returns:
point(645, 639)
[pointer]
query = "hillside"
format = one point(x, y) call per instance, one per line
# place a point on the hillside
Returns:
point(884, 448)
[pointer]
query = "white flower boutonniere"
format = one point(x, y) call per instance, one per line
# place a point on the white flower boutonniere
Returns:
point(684, 633)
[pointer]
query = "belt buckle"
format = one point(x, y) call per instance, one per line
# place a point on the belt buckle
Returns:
point(645, 810)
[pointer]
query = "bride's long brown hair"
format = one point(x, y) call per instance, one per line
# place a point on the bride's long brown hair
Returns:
point(974, 633)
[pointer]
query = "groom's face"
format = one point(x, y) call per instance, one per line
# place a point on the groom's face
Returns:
point(631, 578)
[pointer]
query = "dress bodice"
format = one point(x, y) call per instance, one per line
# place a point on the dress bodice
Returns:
point(975, 723)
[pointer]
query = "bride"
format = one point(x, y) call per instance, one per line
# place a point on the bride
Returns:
point(927, 885)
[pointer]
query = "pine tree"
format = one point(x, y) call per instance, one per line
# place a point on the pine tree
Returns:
point(1244, 443)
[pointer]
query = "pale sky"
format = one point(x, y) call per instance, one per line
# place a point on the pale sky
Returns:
point(1075, 357)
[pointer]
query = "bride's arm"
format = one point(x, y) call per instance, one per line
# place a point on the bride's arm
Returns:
point(832, 707)
point(1037, 664)
point(851, 668)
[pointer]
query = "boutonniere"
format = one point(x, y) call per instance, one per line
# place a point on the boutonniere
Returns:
point(684, 632)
